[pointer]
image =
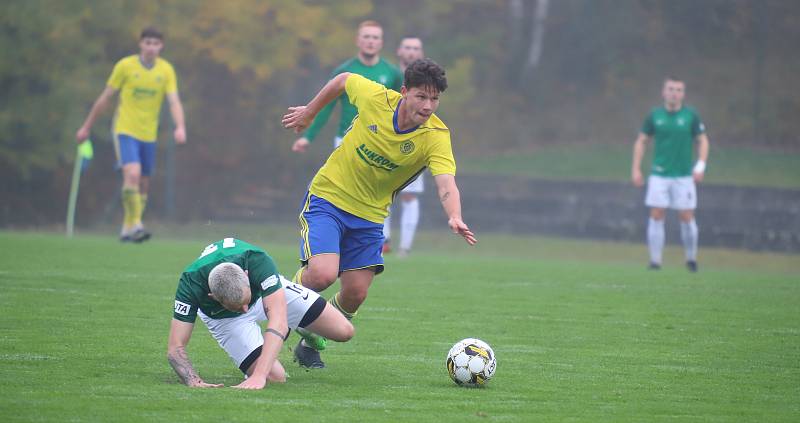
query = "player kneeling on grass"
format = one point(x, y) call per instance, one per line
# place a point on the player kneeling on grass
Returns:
point(232, 286)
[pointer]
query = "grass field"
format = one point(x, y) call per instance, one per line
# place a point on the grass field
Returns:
point(601, 162)
point(582, 332)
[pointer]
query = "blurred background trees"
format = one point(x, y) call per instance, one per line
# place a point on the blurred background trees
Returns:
point(522, 73)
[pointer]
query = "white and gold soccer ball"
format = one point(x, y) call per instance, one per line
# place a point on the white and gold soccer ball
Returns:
point(471, 362)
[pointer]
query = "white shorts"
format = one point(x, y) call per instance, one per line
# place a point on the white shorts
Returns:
point(675, 193)
point(240, 336)
point(417, 186)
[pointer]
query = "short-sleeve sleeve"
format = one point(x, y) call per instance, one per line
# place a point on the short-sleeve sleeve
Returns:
point(263, 273)
point(359, 88)
point(398, 79)
point(698, 127)
point(647, 127)
point(186, 305)
point(118, 76)
point(440, 156)
point(171, 83)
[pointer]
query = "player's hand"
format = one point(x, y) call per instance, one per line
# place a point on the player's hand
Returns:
point(252, 383)
point(300, 145)
point(297, 118)
point(180, 135)
point(82, 134)
point(201, 384)
point(459, 227)
point(698, 176)
point(636, 177)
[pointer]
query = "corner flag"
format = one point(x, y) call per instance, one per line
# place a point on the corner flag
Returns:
point(83, 156)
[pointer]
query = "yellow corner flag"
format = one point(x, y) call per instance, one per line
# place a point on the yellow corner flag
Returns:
point(82, 158)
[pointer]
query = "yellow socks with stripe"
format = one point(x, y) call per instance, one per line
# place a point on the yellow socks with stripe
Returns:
point(298, 277)
point(131, 204)
point(335, 303)
point(143, 204)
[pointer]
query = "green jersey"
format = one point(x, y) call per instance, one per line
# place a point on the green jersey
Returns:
point(674, 134)
point(382, 72)
point(192, 293)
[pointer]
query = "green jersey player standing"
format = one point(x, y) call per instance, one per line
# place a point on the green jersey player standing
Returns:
point(232, 286)
point(367, 63)
point(675, 129)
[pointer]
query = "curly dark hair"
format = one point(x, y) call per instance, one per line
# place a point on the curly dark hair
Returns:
point(425, 73)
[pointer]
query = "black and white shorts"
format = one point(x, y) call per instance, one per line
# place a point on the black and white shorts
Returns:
point(241, 336)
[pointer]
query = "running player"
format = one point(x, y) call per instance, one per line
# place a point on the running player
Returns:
point(675, 129)
point(409, 50)
point(367, 63)
point(143, 81)
point(393, 139)
point(232, 286)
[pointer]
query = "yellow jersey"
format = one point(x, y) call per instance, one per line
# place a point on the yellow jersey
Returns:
point(376, 160)
point(142, 91)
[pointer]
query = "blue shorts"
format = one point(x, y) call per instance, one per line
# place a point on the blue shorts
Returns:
point(132, 150)
point(327, 229)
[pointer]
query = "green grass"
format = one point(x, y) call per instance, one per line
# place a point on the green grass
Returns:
point(582, 332)
point(596, 162)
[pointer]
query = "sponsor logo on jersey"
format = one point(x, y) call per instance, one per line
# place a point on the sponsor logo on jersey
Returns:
point(139, 92)
point(373, 128)
point(383, 79)
point(407, 147)
point(374, 159)
point(270, 282)
point(182, 308)
point(680, 121)
point(659, 122)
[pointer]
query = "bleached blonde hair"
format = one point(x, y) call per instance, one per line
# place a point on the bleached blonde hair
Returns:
point(228, 282)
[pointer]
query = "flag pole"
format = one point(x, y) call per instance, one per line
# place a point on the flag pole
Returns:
point(83, 152)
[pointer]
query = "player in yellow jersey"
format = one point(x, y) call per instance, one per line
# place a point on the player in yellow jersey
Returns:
point(143, 81)
point(392, 140)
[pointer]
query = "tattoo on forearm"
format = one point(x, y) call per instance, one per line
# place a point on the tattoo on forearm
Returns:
point(183, 367)
point(444, 197)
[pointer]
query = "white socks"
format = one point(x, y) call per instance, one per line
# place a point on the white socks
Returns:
point(689, 238)
point(387, 228)
point(655, 239)
point(408, 223)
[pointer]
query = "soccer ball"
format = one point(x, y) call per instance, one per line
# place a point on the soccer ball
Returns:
point(471, 362)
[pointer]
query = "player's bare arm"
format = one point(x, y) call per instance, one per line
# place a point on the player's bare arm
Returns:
point(300, 145)
point(274, 335)
point(702, 155)
point(98, 107)
point(179, 335)
point(639, 147)
point(176, 110)
point(300, 117)
point(450, 197)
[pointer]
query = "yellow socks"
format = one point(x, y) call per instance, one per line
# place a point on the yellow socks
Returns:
point(335, 303)
point(132, 204)
point(298, 277)
point(143, 204)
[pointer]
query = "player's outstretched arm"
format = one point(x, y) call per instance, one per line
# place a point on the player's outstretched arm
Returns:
point(451, 202)
point(99, 105)
point(300, 117)
point(179, 335)
point(176, 110)
point(639, 147)
point(274, 335)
